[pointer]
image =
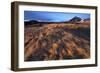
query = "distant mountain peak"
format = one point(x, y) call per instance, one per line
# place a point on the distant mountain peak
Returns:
point(75, 19)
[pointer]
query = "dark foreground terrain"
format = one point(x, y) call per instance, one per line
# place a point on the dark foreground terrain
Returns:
point(57, 41)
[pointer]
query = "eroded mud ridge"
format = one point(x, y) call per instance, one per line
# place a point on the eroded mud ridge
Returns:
point(57, 41)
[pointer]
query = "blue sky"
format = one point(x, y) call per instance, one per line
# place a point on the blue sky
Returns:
point(52, 16)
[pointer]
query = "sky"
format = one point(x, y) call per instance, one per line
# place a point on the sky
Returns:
point(52, 16)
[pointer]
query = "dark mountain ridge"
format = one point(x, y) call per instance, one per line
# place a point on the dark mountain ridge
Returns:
point(39, 23)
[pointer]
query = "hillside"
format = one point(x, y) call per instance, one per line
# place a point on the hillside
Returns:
point(57, 41)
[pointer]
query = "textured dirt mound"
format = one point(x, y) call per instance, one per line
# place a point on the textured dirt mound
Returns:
point(54, 42)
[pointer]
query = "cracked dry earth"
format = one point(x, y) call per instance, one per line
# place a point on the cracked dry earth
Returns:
point(56, 42)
